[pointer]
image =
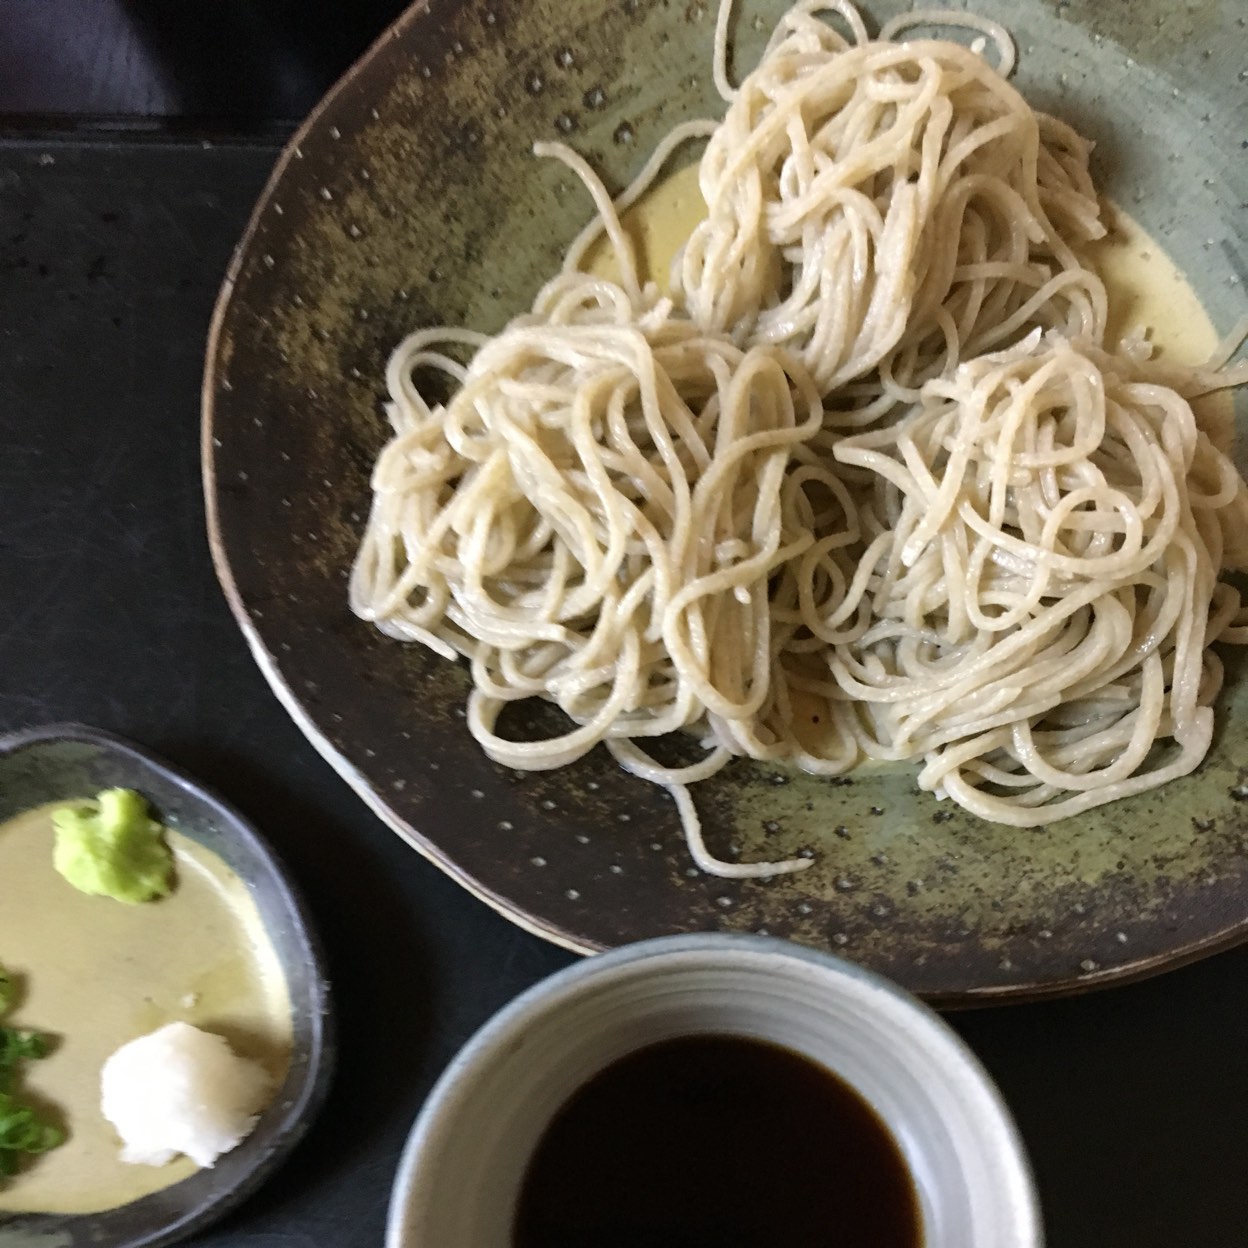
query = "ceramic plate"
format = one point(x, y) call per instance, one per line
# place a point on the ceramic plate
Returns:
point(410, 198)
point(69, 761)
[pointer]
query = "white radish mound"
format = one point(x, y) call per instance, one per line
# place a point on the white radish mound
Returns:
point(180, 1090)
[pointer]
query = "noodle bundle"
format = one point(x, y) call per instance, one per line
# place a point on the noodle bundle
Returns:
point(1046, 585)
point(888, 208)
point(593, 518)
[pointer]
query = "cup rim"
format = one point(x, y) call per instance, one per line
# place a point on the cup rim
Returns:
point(509, 1022)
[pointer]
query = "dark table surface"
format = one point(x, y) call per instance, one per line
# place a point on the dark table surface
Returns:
point(112, 243)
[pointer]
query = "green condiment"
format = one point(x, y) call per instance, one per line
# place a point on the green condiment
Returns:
point(113, 847)
point(22, 1131)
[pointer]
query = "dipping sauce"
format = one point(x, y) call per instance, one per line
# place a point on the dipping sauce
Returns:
point(96, 973)
point(717, 1142)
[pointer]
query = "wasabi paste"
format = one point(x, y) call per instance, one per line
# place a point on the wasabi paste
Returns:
point(112, 847)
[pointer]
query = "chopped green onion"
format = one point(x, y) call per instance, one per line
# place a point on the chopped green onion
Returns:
point(22, 1131)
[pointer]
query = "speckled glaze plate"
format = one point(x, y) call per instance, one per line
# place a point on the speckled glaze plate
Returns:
point(410, 197)
point(60, 762)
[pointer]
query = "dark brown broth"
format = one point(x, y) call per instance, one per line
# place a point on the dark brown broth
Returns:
point(717, 1142)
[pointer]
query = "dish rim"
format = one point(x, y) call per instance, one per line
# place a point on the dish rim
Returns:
point(264, 658)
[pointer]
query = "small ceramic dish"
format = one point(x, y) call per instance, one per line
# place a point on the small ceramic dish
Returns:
point(465, 1160)
point(66, 761)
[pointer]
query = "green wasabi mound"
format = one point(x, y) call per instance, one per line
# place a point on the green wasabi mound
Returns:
point(112, 847)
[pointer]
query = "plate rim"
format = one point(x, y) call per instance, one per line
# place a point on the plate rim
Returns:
point(260, 653)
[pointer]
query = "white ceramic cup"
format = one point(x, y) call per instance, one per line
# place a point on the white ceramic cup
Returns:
point(465, 1159)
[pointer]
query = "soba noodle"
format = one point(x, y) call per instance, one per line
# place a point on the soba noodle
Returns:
point(888, 209)
point(693, 516)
